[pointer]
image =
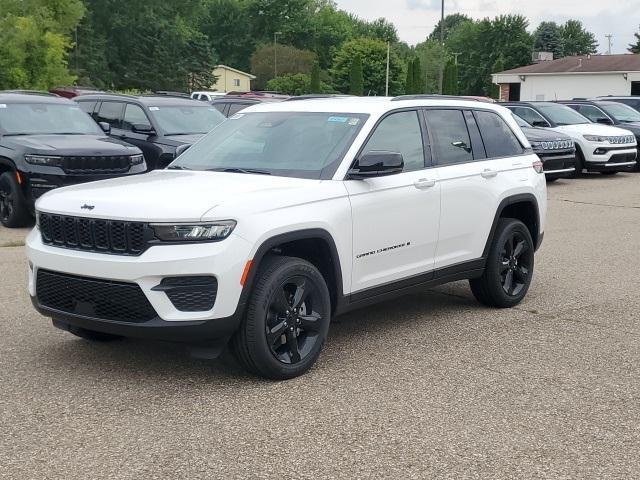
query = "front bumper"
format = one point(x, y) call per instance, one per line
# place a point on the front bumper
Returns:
point(558, 164)
point(224, 260)
point(615, 159)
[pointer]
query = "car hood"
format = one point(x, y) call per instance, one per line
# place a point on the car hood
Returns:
point(175, 140)
point(69, 145)
point(591, 129)
point(632, 127)
point(167, 195)
point(534, 134)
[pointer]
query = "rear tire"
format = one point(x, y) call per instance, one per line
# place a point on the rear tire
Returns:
point(579, 164)
point(13, 209)
point(286, 321)
point(509, 270)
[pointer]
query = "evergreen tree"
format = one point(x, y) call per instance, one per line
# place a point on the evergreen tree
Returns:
point(315, 78)
point(418, 77)
point(408, 85)
point(450, 81)
point(356, 81)
point(548, 38)
point(635, 47)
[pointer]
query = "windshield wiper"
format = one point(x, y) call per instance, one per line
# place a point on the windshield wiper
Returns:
point(177, 167)
point(238, 170)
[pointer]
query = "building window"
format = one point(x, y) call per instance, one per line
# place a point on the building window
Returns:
point(236, 82)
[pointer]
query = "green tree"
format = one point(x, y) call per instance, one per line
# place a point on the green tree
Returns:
point(450, 80)
point(291, 60)
point(373, 54)
point(355, 79)
point(548, 38)
point(431, 54)
point(450, 23)
point(418, 77)
point(315, 86)
point(635, 47)
point(299, 84)
point(498, 66)
point(576, 39)
point(331, 28)
point(408, 84)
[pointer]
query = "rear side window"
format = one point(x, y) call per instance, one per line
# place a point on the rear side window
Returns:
point(499, 140)
point(399, 133)
point(219, 106)
point(449, 135)
point(236, 107)
point(589, 111)
point(110, 112)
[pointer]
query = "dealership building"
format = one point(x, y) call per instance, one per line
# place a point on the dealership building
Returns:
point(571, 77)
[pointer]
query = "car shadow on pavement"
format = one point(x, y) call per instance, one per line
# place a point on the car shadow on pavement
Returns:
point(153, 361)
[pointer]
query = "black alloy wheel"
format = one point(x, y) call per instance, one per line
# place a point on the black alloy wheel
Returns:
point(13, 209)
point(515, 264)
point(293, 321)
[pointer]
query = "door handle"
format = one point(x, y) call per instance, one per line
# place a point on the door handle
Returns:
point(488, 173)
point(424, 183)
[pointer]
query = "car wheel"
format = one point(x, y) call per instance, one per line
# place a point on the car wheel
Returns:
point(13, 211)
point(608, 174)
point(579, 164)
point(509, 268)
point(286, 321)
point(552, 179)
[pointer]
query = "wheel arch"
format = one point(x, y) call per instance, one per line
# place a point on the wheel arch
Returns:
point(7, 165)
point(315, 245)
point(523, 207)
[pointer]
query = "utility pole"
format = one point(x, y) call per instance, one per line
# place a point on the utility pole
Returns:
point(275, 53)
point(609, 37)
point(386, 88)
point(455, 57)
point(441, 73)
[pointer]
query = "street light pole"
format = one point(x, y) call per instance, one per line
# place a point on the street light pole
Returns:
point(275, 53)
point(441, 73)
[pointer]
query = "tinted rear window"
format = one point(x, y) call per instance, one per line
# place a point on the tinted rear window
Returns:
point(499, 140)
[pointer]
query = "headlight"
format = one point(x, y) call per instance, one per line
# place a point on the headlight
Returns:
point(197, 232)
point(136, 159)
point(595, 138)
point(46, 160)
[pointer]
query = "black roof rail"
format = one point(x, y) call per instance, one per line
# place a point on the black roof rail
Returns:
point(31, 92)
point(315, 96)
point(431, 96)
point(168, 94)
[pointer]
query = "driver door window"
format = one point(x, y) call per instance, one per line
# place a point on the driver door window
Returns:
point(530, 116)
point(133, 114)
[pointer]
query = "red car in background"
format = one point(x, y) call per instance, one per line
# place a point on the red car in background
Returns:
point(71, 92)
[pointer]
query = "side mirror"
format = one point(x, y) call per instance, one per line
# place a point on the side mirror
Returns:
point(106, 128)
point(539, 123)
point(143, 128)
point(604, 120)
point(180, 149)
point(376, 164)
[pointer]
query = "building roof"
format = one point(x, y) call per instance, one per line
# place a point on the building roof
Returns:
point(237, 71)
point(581, 64)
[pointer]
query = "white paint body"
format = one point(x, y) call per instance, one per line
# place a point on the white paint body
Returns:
point(445, 212)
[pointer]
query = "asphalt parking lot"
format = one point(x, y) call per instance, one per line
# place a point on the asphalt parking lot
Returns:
point(429, 386)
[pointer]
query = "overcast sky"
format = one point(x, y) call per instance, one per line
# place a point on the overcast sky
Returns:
point(415, 19)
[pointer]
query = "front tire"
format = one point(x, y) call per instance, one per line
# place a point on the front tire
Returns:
point(286, 321)
point(13, 208)
point(579, 164)
point(509, 270)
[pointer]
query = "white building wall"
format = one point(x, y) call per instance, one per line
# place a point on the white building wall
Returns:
point(567, 86)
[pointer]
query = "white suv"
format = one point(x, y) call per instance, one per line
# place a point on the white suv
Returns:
point(599, 148)
point(288, 214)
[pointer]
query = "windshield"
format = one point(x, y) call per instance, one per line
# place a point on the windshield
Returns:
point(292, 144)
point(562, 115)
point(622, 113)
point(45, 119)
point(521, 123)
point(186, 119)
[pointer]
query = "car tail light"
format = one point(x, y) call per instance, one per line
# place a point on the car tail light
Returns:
point(537, 166)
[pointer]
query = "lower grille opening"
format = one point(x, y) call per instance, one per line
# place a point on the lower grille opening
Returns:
point(88, 297)
point(190, 294)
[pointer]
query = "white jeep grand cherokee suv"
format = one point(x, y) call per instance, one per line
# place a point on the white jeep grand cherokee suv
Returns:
point(288, 214)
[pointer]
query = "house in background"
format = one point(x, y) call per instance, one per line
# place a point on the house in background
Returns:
point(231, 80)
point(571, 77)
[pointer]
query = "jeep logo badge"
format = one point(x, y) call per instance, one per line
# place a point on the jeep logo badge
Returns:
point(87, 207)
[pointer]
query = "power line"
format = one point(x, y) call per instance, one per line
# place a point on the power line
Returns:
point(609, 39)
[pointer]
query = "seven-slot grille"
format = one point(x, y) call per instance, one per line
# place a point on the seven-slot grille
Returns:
point(88, 297)
point(94, 235)
point(96, 164)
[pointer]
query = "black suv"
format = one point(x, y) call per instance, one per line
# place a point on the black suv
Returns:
point(158, 124)
point(632, 100)
point(46, 142)
point(229, 105)
point(557, 151)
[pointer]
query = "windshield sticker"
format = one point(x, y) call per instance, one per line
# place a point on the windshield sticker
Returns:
point(237, 116)
point(3, 105)
point(337, 119)
point(153, 109)
point(354, 121)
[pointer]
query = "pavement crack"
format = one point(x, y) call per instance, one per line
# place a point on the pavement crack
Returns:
point(600, 204)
